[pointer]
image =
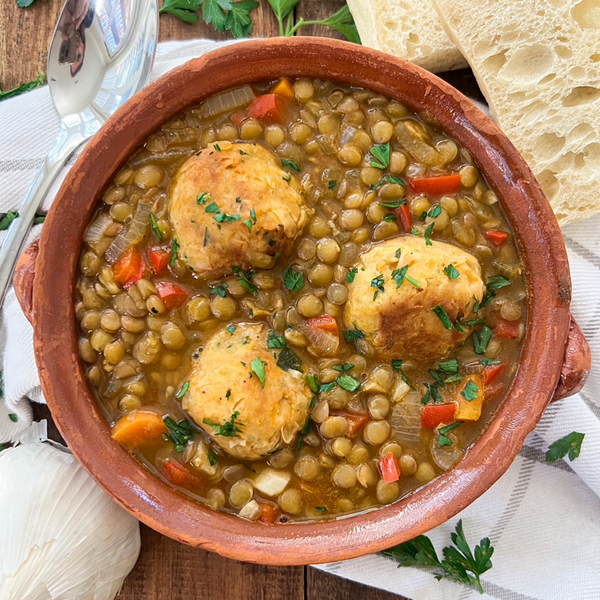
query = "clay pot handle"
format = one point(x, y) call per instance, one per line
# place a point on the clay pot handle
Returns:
point(23, 279)
point(576, 366)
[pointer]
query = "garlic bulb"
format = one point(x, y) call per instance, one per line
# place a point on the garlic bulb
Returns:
point(62, 537)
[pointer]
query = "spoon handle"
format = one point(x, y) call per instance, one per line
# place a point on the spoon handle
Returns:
point(14, 242)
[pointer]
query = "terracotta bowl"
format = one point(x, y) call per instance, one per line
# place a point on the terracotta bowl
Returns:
point(555, 357)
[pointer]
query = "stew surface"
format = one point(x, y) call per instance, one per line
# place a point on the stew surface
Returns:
point(299, 300)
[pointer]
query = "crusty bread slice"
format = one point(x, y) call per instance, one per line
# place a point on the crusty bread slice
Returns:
point(538, 64)
point(409, 29)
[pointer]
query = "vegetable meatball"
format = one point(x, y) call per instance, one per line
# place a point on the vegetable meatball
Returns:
point(233, 204)
point(406, 299)
point(240, 396)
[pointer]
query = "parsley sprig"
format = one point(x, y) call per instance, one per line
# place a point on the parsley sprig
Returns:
point(569, 444)
point(460, 564)
point(180, 433)
point(229, 428)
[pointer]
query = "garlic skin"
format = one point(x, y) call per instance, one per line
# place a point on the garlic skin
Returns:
point(62, 537)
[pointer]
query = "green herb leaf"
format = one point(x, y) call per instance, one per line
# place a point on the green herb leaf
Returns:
point(470, 391)
point(8, 218)
point(321, 509)
point(228, 395)
point(246, 280)
point(472, 322)
point(155, 228)
point(495, 282)
point(14, 418)
point(343, 368)
point(351, 335)
point(442, 315)
point(454, 378)
point(351, 275)
point(343, 22)
point(486, 362)
point(293, 281)
point(248, 224)
point(229, 428)
point(451, 271)
point(449, 367)
point(258, 368)
point(428, 233)
point(332, 184)
point(39, 218)
point(380, 156)
point(202, 198)
point(222, 217)
point(412, 280)
point(443, 439)
point(390, 218)
point(570, 444)
point(377, 283)
point(212, 460)
point(389, 179)
point(24, 87)
point(313, 384)
point(238, 18)
point(393, 203)
point(231, 328)
point(174, 251)
point(435, 211)
point(291, 164)
point(211, 208)
point(347, 382)
point(415, 231)
point(182, 9)
point(398, 275)
point(219, 290)
point(326, 387)
point(287, 360)
point(481, 339)
point(437, 377)
point(180, 433)
point(183, 391)
point(275, 341)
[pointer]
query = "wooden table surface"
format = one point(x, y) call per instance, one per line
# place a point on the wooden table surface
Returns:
point(167, 569)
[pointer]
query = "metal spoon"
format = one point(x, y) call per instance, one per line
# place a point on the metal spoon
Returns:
point(101, 54)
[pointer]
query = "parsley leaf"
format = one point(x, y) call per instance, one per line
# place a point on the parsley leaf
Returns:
point(155, 228)
point(481, 339)
point(291, 164)
point(347, 382)
point(8, 218)
point(219, 290)
point(183, 391)
point(412, 280)
point(392, 203)
point(231, 328)
point(275, 341)
point(351, 275)
point(238, 18)
point(398, 275)
point(332, 184)
point(443, 439)
point(389, 179)
point(212, 208)
point(495, 282)
point(202, 198)
point(179, 433)
point(174, 250)
point(470, 391)
point(428, 233)
point(377, 283)
point(293, 281)
point(442, 315)
point(312, 383)
point(258, 368)
point(570, 444)
point(451, 271)
point(449, 367)
point(229, 428)
point(380, 156)
point(486, 362)
point(182, 9)
point(287, 360)
point(246, 280)
point(351, 335)
point(435, 211)
point(24, 87)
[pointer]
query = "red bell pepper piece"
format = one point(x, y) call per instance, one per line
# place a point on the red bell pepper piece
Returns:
point(238, 117)
point(435, 186)
point(498, 238)
point(129, 268)
point(325, 323)
point(389, 467)
point(268, 108)
point(178, 475)
point(159, 258)
point(433, 415)
point(506, 330)
point(171, 294)
point(492, 371)
point(403, 213)
point(355, 422)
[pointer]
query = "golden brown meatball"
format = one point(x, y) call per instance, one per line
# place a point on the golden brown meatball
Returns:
point(398, 321)
point(228, 400)
point(233, 204)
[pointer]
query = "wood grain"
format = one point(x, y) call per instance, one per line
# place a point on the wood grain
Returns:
point(318, 10)
point(324, 586)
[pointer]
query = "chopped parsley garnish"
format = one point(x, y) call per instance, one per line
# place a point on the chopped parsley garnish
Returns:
point(570, 444)
point(332, 184)
point(442, 315)
point(212, 461)
point(347, 382)
point(246, 280)
point(437, 377)
point(211, 208)
point(275, 341)
point(217, 147)
point(428, 233)
point(228, 395)
point(398, 275)
point(454, 378)
point(229, 428)
point(174, 250)
point(460, 564)
point(435, 211)
point(293, 281)
point(470, 391)
point(377, 283)
point(305, 430)
point(219, 290)
point(253, 215)
point(291, 164)
point(287, 177)
point(231, 328)
point(326, 387)
point(415, 231)
point(258, 368)
point(242, 153)
point(202, 198)
point(392, 203)
point(39, 218)
point(398, 253)
point(448, 367)
point(179, 433)
point(183, 391)
point(472, 322)
point(397, 366)
point(432, 393)
point(451, 271)
point(412, 280)
point(443, 439)
point(8, 218)
point(486, 362)
point(390, 218)
point(495, 282)
point(14, 418)
point(248, 224)
point(343, 368)
point(321, 509)
point(380, 156)
point(351, 335)
point(221, 217)
point(155, 228)
point(481, 339)
point(351, 275)
point(388, 179)
point(287, 360)
point(313, 384)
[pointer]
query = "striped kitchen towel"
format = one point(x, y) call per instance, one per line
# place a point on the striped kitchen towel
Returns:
point(542, 519)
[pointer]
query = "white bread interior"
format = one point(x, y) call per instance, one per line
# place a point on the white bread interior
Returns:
point(538, 64)
point(409, 29)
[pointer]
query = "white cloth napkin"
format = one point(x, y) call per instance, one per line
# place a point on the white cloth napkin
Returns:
point(543, 519)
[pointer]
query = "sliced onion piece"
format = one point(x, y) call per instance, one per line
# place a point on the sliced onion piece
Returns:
point(97, 227)
point(227, 101)
point(406, 419)
point(134, 234)
point(325, 342)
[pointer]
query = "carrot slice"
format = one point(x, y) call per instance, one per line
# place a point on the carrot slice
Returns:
point(435, 186)
point(434, 415)
point(498, 238)
point(180, 476)
point(139, 428)
point(129, 268)
point(325, 323)
point(389, 467)
point(171, 294)
point(284, 88)
point(403, 213)
point(159, 259)
point(269, 513)
point(355, 423)
point(506, 330)
point(492, 371)
point(268, 108)
point(238, 117)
